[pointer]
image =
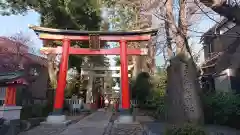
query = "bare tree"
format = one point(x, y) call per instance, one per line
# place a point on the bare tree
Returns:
point(177, 19)
point(182, 84)
point(127, 15)
point(21, 38)
point(227, 8)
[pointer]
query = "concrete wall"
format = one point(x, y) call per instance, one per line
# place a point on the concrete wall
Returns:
point(222, 83)
point(228, 81)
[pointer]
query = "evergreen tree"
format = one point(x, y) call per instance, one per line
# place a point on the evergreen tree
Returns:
point(61, 14)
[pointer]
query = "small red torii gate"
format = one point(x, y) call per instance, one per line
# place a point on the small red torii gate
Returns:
point(73, 35)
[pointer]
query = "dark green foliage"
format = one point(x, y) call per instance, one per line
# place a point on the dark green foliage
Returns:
point(33, 111)
point(187, 129)
point(222, 108)
point(156, 99)
point(141, 87)
point(61, 14)
point(117, 60)
point(26, 112)
point(156, 104)
point(65, 14)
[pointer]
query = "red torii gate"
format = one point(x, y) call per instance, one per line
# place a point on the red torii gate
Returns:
point(73, 35)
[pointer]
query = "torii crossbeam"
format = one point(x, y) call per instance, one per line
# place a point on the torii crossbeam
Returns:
point(94, 37)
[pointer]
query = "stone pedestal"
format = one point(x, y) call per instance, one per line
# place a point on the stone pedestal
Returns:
point(56, 119)
point(10, 112)
point(125, 117)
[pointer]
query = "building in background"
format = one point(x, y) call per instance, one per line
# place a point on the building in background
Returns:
point(222, 59)
point(25, 72)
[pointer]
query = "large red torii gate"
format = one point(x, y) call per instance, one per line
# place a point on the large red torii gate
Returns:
point(66, 36)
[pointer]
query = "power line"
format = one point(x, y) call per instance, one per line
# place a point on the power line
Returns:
point(219, 53)
point(197, 4)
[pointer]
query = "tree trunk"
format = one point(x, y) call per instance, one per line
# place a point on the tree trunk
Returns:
point(144, 64)
point(136, 70)
point(52, 66)
point(152, 63)
point(52, 72)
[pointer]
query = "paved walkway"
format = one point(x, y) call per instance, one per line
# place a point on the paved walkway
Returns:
point(102, 123)
point(127, 129)
point(52, 130)
point(123, 129)
point(98, 123)
point(44, 130)
point(93, 124)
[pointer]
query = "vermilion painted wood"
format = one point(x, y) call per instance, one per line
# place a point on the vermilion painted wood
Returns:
point(14, 96)
point(87, 51)
point(123, 51)
point(10, 98)
point(59, 97)
point(7, 97)
point(124, 75)
point(45, 36)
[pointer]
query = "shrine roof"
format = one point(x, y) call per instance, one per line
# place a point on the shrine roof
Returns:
point(39, 29)
point(11, 76)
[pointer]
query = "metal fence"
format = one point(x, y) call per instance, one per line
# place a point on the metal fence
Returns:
point(74, 105)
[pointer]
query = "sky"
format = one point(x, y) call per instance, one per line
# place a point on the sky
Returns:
point(10, 25)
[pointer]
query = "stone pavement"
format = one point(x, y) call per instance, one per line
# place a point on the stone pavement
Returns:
point(43, 130)
point(51, 130)
point(94, 124)
point(127, 129)
point(97, 123)
point(116, 128)
point(102, 123)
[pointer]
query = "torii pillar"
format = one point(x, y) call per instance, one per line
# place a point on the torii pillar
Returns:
point(124, 75)
point(57, 116)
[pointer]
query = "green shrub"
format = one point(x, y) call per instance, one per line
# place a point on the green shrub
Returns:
point(33, 111)
point(222, 108)
point(156, 103)
point(141, 87)
point(26, 112)
point(187, 129)
point(48, 108)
